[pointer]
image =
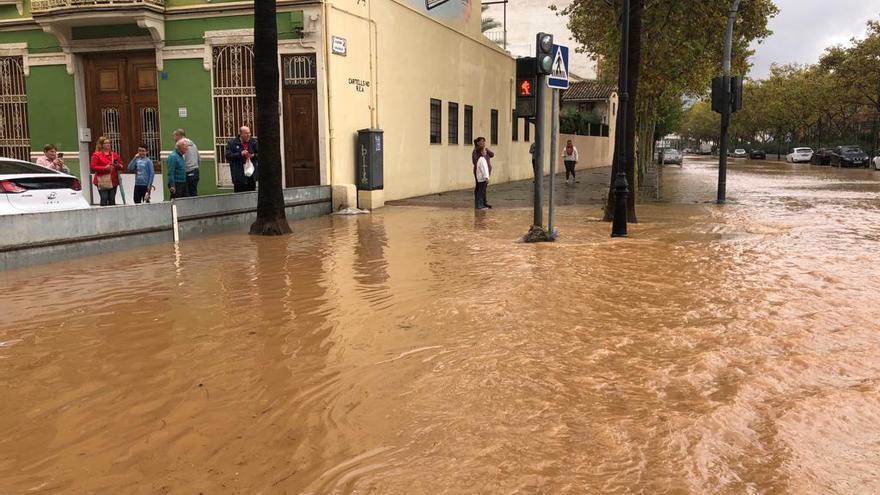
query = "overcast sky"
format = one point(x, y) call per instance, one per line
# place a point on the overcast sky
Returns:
point(803, 28)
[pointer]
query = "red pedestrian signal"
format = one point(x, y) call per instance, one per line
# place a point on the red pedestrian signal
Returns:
point(525, 88)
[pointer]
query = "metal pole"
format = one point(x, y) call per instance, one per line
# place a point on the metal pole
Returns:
point(505, 26)
point(554, 132)
point(621, 194)
point(725, 103)
point(538, 220)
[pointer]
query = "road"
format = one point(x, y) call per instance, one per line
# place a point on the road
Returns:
point(421, 349)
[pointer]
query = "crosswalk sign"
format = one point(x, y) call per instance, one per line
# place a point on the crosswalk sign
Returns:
point(558, 78)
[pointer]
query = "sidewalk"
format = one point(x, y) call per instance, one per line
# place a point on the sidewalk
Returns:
point(592, 187)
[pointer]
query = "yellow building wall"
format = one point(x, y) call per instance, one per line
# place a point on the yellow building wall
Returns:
point(409, 57)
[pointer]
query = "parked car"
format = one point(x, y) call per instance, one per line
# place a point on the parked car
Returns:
point(670, 155)
point(877, 162)
point(740, 153)
point(757, 155)
point(800, 155)
point(29, 188)
point(849, 156)
point(822, 156)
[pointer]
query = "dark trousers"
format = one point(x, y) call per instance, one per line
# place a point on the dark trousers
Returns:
point(480, 194)
point(179, 190)
point(192, 183)
point(569, 169)
point(139, 193)
point(108, 196)
point(248, 184)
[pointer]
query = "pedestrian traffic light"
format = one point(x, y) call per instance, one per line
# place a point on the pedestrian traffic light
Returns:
point(735, 96)
point(544, 53)
point(526, 86)
point(736, 93)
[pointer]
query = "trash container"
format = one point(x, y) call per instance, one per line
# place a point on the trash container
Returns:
point(370, 148)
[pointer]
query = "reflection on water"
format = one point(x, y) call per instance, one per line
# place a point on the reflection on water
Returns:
point(420, 350)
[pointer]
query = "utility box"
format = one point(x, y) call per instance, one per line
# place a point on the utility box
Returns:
point(370, 151)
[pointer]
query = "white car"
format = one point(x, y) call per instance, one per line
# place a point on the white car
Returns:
point(29, 188)
point(800, 155)
point(877, 162)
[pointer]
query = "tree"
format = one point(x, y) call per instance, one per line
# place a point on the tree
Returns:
point(271, 219)
point(488, 23)
point(677, 40)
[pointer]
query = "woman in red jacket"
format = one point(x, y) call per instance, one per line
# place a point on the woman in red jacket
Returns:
point(106, 166)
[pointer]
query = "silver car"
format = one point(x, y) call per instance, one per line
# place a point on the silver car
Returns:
point(670, 155)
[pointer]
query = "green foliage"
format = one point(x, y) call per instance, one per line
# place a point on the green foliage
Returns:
point(488, 23)
point(580, 124)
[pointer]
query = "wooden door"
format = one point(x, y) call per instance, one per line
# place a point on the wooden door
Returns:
point(123, 101)
point(301, 137)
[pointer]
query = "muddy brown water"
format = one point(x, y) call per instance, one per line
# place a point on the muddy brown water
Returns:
point(728, 350)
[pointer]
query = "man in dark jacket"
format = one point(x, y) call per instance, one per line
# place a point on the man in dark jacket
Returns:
point(237, 152)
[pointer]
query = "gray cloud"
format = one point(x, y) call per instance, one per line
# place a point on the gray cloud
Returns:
point(804, 28)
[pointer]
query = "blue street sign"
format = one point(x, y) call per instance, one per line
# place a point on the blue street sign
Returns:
point(558, 78)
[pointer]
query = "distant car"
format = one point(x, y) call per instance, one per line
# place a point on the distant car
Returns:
point(757, 155)
point(877, 162)
point(740, 153)
point(800, 155)
point(29, 188)
point(822, 156)
point(671, 156)
point(849, 156)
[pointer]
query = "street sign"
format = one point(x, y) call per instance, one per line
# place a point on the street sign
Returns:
point(558, 78)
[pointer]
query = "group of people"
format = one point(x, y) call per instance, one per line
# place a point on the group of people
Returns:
point(182, 171)
point(482, 156)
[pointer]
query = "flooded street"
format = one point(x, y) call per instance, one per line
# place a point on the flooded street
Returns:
point(421, 350)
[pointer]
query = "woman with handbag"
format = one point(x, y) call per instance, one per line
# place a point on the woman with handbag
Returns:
point(106, 165)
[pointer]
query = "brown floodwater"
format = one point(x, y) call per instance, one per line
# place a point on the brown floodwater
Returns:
point(421, 350)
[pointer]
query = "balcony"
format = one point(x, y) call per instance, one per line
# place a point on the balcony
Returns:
point(50, 7)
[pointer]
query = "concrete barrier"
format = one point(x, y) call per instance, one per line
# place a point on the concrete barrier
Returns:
point(34, 238)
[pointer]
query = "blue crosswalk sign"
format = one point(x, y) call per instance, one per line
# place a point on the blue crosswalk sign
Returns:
point(558, 78)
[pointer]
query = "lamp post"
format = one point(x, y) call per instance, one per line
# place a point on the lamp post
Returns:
point(725, 103)
point(618, 225)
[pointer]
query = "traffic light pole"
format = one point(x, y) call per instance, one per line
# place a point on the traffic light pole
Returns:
point(538, 220)
point(554, 132)
point(725, 104)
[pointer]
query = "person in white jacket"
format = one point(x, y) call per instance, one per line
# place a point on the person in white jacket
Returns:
point(480, 201)
point(570, 158)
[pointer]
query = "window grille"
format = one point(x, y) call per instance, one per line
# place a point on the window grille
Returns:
point(14, 138)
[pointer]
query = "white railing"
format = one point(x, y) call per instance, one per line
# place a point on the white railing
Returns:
point(49, 5)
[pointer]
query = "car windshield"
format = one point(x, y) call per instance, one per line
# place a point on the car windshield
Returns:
point(740, 151)
point(802, 150)
point(851, 149)
point(10, 167)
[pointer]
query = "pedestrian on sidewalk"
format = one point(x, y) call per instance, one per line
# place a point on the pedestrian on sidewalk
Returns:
point(105, 164)
point(479, 147)
point(192, 163)
point(142, 166)
point(482, 176)
point(481, 151)
point(52, 160)
point(238, 151)
point(177, 171)
point(570, 158)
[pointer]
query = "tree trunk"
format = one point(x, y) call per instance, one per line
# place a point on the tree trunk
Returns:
point(635, 56)
point(271, 219)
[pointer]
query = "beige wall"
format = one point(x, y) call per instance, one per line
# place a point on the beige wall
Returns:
point(593, 151)
point(408, 58)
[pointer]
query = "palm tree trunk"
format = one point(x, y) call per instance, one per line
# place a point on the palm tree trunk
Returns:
point(271, 219)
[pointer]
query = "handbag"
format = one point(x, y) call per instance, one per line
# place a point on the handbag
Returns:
point(248, 168)
point(104, 182)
